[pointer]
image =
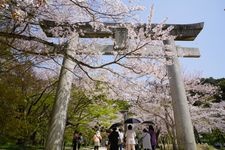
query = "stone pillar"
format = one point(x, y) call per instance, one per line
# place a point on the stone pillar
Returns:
point(183, 124)
point(59, 113)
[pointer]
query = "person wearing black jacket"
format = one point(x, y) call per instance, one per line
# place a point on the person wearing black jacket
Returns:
point(113, 139)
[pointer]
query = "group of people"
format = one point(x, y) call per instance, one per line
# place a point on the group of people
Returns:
point(118, 140)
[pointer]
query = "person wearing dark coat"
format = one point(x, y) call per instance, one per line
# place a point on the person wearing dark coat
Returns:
point(75, 140)
point(113, 139)
point(153, 137)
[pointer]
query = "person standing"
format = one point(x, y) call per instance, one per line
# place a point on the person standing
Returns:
point(146, 140)
point(121, 139)
point(80, 140)
point(75, 140)
point(153, 137)
point(97, 140)
point(113, 139)
point(130, 138)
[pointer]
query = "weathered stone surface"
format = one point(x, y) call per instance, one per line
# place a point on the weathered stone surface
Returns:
point(183, 32)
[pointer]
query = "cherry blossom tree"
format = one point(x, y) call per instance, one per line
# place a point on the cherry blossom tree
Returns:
point(21, 30)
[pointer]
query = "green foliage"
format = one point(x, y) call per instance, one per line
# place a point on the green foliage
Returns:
point(216, 136)
point(221, 83)
point(25, 106)
point(217, 82)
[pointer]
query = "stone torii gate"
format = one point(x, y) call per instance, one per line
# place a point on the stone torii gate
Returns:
point(183, 124)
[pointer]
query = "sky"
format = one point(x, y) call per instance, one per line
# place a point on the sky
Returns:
point(210, 41)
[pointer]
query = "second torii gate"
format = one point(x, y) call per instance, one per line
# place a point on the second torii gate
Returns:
point(184, 128)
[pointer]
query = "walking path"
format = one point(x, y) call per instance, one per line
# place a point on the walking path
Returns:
point(101, 148)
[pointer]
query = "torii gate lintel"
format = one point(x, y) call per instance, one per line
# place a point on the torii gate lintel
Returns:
point(183, 32)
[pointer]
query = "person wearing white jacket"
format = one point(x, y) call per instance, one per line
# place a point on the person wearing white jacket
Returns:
point(130, 138)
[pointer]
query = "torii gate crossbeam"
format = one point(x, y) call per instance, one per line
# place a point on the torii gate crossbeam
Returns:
point(183, 32)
